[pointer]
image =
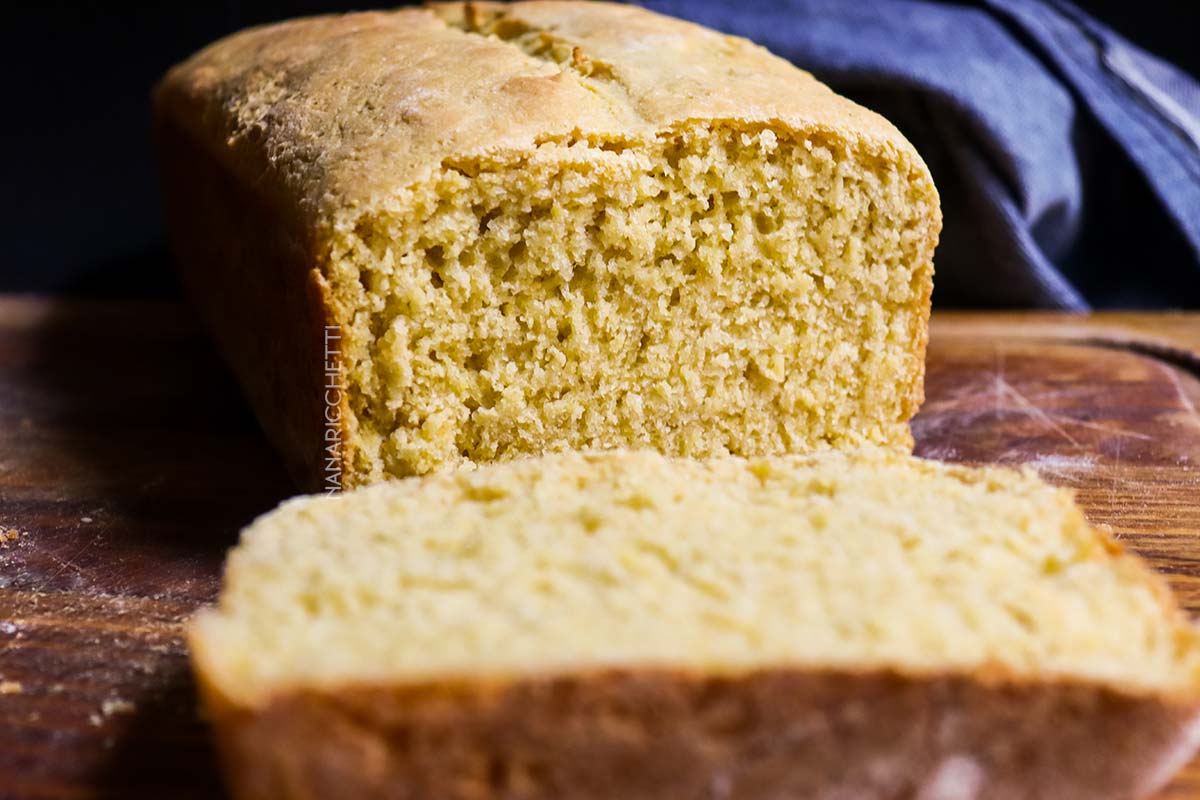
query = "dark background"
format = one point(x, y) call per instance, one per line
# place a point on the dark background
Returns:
point(80, 203)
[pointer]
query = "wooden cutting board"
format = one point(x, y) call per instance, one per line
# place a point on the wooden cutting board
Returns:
point(128, 463)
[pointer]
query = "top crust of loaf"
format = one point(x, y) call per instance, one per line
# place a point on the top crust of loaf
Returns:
point(341, 114)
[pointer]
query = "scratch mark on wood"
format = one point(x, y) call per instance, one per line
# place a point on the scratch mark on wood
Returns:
point(1118, 513)
point(999, 380)
point(1184, 400)
point(69, 562)
point(1109, 429)
point(1032, 410)
point(1005, 397)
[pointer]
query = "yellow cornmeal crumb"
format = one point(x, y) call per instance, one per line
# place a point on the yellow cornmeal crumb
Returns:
point(116, 705)
point(11, 687)
point(579, 561)
point(715, 290)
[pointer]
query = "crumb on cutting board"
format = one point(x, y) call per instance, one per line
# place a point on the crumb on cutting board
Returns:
point(111, 707)
point(116, 705)
point(11, 687)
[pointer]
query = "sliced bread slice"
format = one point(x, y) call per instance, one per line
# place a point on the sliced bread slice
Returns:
point(626, 625)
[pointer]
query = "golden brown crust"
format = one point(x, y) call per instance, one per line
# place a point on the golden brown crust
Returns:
point(254, 281)
point(920, 331)
point(659, 733)
point(339, 113)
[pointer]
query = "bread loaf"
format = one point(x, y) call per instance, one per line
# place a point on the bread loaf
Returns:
point(440, 237)
point(626, 625)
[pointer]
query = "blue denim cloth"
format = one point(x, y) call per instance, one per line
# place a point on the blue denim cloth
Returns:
point(1068, 160)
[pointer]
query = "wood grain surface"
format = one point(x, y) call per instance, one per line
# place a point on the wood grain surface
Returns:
point(128, 463)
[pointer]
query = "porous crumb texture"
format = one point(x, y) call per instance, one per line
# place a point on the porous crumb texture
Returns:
point(717, 289)
point(556, 226)
point(581, 562)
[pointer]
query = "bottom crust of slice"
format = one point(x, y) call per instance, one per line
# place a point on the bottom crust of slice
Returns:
point(663, 734)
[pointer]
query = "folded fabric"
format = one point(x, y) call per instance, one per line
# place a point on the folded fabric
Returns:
point(1067, 158)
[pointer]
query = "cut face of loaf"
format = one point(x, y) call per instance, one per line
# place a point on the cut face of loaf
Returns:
point(541, 227)
point(712, 290)
point(626, 625)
